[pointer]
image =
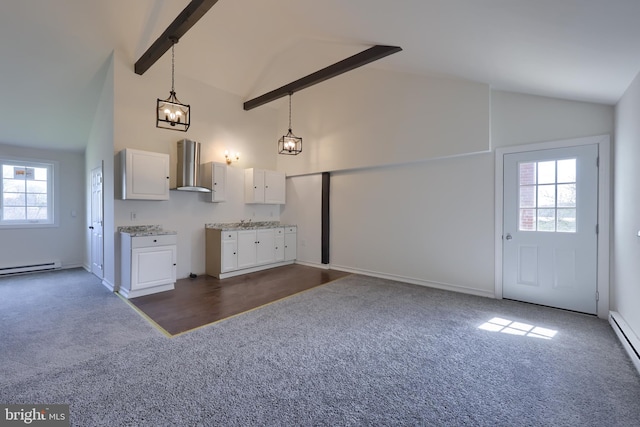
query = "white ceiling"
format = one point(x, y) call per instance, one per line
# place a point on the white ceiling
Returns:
point(53, 52)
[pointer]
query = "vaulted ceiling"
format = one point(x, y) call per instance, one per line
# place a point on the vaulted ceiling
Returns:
point(53, 52)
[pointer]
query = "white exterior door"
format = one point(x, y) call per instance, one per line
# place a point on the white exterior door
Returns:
point(96, 223)
point(550, 222)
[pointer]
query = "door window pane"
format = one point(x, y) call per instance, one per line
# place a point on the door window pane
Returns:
point(547, 172)
point(528, 173)
point(566, 195)
point(547, 198)
point(567, 220)
point(528, 196)
point(527, 220)
point(567, 170)
point(546, 220)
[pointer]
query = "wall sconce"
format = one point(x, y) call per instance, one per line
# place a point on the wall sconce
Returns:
point(229, 158)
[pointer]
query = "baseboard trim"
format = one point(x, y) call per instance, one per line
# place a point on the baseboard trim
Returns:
point(627, 337)
point(252, 269)
point(107, 284)
point(414, 281)
point(313, 264)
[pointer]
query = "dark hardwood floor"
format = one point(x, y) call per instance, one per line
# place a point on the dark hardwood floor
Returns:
point(205, 299)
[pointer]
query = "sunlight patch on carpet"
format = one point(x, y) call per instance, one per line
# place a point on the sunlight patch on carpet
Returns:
point(505, 326)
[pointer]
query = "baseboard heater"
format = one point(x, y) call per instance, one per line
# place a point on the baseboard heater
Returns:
point(19, 269)
point(627, 337)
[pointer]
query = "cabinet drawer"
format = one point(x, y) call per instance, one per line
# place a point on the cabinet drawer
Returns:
point(229, 235)
point(150, 241)
point(291, 229)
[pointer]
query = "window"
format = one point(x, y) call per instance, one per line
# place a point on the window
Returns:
point(547, 196)
point(27, 193)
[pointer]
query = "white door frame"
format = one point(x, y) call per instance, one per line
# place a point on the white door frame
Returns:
point(604, 203)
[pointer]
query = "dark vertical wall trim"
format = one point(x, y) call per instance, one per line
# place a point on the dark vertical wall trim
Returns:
point(326, 183)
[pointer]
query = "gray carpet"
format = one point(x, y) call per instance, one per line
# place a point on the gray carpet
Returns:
point(358, 351)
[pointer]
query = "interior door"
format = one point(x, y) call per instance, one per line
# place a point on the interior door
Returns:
point(96, 226)
point(550, 227)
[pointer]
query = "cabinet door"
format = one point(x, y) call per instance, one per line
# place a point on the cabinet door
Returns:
point(279, 236)
point(218, 180)
point(153, 266)
point(146, 175)
point(253, 186)
point(229, 255)
point(266, 246)
point(290, 246)
point(274, 187)
point(246, 248)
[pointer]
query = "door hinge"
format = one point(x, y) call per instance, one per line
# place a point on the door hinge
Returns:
point(597, 162)
point(597, 228)
point(597, 296)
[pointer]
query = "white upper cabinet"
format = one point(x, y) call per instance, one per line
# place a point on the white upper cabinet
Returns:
point(144, 175)
point(215, 178)
point(264, 186)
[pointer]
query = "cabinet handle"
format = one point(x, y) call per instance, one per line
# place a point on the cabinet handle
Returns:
point(174, 265)
point(155, 241)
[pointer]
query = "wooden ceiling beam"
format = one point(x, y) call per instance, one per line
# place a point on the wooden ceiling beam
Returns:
point(358, 60)
point(178, 28)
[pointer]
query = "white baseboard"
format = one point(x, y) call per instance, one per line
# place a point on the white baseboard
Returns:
point(413, 281)
point(107, 284)
point(314, 264)
point(627, 337)
point(253, 269)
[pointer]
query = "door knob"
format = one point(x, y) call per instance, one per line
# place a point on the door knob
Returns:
point(508, 236)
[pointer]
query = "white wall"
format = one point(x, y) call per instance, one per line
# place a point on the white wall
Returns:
point(99, 152)
point(371, 117)
point(429, 223)
point(626, 250)
point(304, 209)
point(218, 122)
point(411, 215)
point(63, 242)
point(520, 119)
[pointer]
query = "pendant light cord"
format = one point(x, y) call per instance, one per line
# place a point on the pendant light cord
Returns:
point(173, 45)
point(290, 112)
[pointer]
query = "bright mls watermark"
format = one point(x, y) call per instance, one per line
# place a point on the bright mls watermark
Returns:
point(34, 415)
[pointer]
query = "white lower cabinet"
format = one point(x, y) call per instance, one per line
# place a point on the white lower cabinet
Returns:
point(229, 251)
point(148, 264)
point(290, 243)
point(256, 247)
point(234, 252)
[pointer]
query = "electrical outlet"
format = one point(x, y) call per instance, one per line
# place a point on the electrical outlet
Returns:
point(134, 216)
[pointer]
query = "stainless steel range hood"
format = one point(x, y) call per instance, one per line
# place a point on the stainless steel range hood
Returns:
point(185, 167)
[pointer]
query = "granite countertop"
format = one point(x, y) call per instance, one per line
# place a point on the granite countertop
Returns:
point(228, 226)
point(144, 230)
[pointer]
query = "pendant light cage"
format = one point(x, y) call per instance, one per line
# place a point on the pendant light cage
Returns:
point(170, 112)
point(289, 143)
